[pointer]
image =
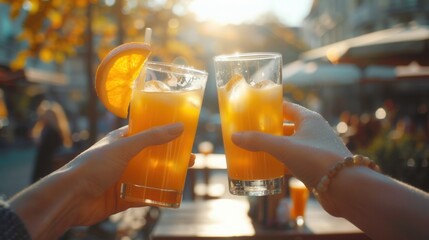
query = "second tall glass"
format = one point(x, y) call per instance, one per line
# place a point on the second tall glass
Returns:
point(250, 99)
point(168, 94)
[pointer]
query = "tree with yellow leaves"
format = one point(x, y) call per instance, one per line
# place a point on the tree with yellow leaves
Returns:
point(54, 29)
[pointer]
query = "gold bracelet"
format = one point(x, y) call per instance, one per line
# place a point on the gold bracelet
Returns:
point(356, 160)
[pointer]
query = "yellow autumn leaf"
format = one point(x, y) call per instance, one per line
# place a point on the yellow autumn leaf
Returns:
point(132, 31)
point(46, 55)
point(57, 3)
point(81, 3)
point(56, 19)
point(34, 6)
point(15, 8)
point(19, 61)
point(109, 31)
point(39, 38)
point(59, 57)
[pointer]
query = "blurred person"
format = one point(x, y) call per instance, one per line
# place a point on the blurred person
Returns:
point(82, 192)
point(346, 186)
point(51, 132)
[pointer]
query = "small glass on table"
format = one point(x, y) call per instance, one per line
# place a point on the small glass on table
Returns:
point(250, 99)
point(299, 197)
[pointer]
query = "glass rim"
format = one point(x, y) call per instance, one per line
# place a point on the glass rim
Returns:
point(164, 67)
point(249, 56)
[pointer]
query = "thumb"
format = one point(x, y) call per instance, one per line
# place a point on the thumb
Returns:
point(131, 145)
point(258, 141)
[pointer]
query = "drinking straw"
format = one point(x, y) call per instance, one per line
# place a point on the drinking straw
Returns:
point(142, 75)
point(147, 35)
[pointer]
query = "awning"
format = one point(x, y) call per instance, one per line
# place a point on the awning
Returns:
point(304, 74)
point(395, 74)
point(395, 46)
point(9, 77)
point(47, 77)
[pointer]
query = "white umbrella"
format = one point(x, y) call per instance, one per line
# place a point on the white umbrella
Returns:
point(41, 76)
point(306, 74)
point(391, 74)
point(394, 46)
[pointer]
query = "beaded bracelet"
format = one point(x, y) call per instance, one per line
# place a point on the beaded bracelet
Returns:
point(356, 160)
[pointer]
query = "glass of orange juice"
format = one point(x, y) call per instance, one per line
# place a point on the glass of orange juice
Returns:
point(299, 196)
point(250, 99)
point(167, 94)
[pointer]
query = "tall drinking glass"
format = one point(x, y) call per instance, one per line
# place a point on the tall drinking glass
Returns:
point(250, 98)
point(168, 94)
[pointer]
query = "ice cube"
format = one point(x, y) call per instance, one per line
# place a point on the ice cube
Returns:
point(236, 90)
point(155, 86)
point(264, 84)
point(194, 100)
point(236, 81)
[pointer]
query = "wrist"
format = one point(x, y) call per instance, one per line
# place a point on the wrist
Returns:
point(331, 198)
point(349, 165)
point(47, 207)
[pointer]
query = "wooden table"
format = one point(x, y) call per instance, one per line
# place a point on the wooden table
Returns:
point(228, 218)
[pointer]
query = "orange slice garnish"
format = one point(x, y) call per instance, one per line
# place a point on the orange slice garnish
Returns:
point(116, 74)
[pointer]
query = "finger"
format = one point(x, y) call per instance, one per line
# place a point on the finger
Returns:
point(257, 141)
point(288, 129)
point(158, 135)
point(192, 160)
point(112, 136)
point(118, 133)
point(294, 112)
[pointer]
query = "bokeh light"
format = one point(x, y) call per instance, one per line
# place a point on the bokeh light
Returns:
point(380, 113)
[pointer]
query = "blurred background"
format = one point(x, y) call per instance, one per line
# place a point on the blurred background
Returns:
point(363, 64)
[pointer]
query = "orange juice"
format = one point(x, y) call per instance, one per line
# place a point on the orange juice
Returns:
point(160, 171)
point(258, 109)
point(156, 176)
point(250, 99)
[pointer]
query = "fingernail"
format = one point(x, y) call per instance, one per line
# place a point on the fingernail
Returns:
point(237, 136)
point(175, 129)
